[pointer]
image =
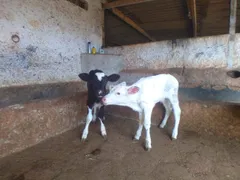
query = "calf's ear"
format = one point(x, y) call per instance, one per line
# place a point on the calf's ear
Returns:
point(113, 77)
point(84, 76)
point(133, 90)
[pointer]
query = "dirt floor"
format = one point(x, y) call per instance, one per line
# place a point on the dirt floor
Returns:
point(194, 155)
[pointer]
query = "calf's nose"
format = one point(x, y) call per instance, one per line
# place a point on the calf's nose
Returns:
point(103, 99)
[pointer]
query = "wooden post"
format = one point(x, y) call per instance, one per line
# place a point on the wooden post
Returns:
point(193, 15)
point(232, 31)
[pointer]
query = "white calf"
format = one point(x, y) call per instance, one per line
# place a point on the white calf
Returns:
point(142, 97)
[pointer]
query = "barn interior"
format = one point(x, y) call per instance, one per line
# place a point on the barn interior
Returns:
point(43, 101)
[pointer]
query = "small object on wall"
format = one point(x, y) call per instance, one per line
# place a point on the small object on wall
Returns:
point(15, 38)
point(101, 51)
point(89, 47)
point(94, 50)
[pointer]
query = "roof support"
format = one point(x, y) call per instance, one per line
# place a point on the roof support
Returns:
point(232, 31)
point(120, 3)
point(193, 15)
point(131, 23)
point(233, 14)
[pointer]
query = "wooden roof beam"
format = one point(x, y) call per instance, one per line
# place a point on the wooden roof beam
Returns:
point(131, 23)
point(121, 3)
point(192, 9)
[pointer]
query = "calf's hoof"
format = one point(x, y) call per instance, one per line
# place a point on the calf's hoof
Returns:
point(134, 140)
point(83, 140)
point(174, 136)
point(161, 126)
point(104, 137)
point(147, 148)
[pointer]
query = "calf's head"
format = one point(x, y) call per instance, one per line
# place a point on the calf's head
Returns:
point(121, 94)
point(97, 81)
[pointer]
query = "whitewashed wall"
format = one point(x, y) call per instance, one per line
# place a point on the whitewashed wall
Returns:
point(53, 34)
point(202, 52)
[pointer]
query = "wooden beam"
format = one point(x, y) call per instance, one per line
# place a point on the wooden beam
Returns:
point(232, 31)
point(121, 3)
point(192, 10)
point(131, 23)
point(233, 15)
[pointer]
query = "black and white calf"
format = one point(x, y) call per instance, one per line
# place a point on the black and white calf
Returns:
point(96, 84)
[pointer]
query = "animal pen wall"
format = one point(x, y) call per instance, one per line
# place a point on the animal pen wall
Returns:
point(43, 49)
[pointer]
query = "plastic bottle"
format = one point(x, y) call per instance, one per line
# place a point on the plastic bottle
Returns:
point(89, 47)
point(94, 50)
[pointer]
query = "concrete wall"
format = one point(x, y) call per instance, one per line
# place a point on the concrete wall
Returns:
point(53, 34)
point(24, 125)
point(203, 52)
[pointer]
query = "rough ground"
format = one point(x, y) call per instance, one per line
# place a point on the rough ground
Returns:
point(195, 155)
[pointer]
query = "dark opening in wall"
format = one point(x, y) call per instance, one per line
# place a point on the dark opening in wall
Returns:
point(81, 3)
point(233, 74)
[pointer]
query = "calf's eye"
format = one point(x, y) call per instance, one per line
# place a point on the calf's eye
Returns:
point(118, 93)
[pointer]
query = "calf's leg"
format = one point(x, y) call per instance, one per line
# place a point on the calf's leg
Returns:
point(147, 125)
point(140, 127)
point(168, 108)
point(88, 121)
point(177, 114)
point(101, 118)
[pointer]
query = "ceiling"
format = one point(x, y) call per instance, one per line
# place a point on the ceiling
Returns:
point(167, 20)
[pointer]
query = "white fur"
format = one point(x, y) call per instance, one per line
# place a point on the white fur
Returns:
point(103, 129)
point(91, 116)
point(100, 75)
point(160, 88)
point(88, 121)
point(96, 107)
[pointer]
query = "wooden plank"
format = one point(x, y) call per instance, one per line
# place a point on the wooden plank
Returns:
point(193, 15)
point(204, 4)
point(131, 23)
point(121, 3)
point(180, 24)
